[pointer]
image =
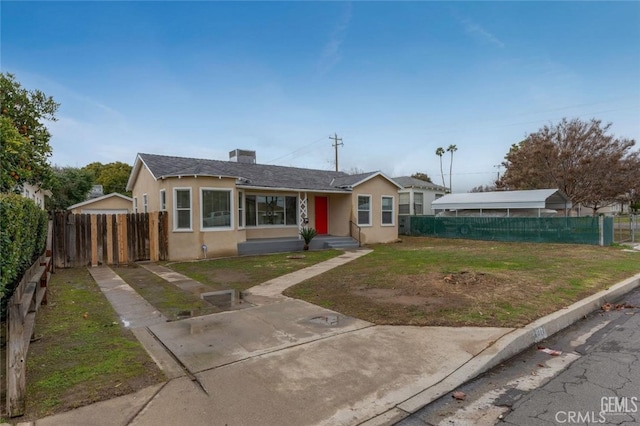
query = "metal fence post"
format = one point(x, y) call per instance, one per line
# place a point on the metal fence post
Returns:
point(601, 229)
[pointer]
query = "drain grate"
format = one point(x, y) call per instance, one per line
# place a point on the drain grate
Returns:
point(330, 320)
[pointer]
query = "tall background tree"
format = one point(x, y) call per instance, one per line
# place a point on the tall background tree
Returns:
point(112, 176)
point(422, 176)
point(451, 149)
point(440, 153)
point(581, 158)
point(25, 149)
point(70, 186)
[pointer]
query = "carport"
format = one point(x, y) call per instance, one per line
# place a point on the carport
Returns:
point(529, 203)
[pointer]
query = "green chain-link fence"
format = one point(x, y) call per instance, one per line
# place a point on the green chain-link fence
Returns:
point(575, 230)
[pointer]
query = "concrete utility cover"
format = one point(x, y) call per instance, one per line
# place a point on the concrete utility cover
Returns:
point(330, 320)
point(222, 299)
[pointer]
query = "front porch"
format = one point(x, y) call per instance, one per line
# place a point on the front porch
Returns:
point(289, 244)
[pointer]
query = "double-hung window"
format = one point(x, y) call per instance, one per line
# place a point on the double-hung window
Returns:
point(182, 209)
point(216, 208)
point(387, 210)
point(403, 199)
point(145, 203)
point(135, 204)
point(418, 203)
point(364, 209)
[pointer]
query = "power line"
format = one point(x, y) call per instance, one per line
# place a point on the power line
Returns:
point(295, 151)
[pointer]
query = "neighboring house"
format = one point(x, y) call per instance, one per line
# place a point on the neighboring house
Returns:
point(33, 192)
point(220, 204)
point(113, 203)
point(610, 210)
point(416, 196)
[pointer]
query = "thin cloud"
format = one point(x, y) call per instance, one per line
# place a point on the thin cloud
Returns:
point(331, 54)
point(480, 33)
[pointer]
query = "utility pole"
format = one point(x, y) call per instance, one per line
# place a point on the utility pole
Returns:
point(335, 139)
point(497, 166)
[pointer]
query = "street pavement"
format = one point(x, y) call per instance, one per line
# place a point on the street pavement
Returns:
point(595, 379)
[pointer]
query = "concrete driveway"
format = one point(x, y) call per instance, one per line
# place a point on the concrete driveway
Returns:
point(292, 362)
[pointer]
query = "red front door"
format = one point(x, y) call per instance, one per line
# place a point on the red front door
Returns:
point(322, 215)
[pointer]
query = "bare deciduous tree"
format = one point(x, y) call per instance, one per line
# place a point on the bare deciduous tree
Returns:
point(578, 157)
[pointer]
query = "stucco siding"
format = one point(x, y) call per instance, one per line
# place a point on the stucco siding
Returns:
point(339, 214)
point(376, 232)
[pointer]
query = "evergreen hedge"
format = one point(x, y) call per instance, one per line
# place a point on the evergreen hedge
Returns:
point(23, 237)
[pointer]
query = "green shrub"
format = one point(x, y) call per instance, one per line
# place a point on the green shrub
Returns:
point(23, 236)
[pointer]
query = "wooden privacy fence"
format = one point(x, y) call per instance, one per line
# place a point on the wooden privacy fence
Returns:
point(30, 293)
point(108, 239)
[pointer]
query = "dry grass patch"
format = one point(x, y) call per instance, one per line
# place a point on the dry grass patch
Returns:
point(428, 281)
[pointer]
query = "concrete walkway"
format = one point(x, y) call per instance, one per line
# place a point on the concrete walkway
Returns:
point(290, 362)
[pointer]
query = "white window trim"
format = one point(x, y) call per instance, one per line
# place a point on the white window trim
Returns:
point(393, 208)
point(135, 204)
point(163, 197)
point(241, 209)
point(364, 225)
point(145, 203)
point(231, 210)
point(175, 210)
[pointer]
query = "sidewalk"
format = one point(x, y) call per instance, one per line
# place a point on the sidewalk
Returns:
point(286, 361)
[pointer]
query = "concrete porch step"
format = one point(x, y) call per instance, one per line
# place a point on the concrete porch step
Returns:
point(281, 245)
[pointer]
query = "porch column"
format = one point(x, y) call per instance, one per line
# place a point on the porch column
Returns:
point(302, 211)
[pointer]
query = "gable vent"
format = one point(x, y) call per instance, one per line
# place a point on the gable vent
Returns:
point(242, 156)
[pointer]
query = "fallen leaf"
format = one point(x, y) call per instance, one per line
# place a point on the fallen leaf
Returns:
point(459, 395)
point(606, 307)
point(541, 365)
point(85, 315)
point(551, 352)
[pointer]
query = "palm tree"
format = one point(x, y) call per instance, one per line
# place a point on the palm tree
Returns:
point(440, 153)
point(451, 149)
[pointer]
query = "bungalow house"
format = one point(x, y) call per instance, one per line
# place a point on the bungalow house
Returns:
point(215, 207)
point(113, 203)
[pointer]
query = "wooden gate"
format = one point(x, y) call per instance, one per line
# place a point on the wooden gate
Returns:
point(108, 239)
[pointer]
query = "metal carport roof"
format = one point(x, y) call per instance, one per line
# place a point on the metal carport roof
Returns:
point(532, 199)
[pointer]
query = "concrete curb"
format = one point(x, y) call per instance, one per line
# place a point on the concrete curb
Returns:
point(504, 348)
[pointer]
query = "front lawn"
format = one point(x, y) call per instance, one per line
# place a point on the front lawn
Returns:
point(454, 282)
point(81, 353)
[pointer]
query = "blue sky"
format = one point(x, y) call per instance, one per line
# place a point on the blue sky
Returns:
point(394, 80)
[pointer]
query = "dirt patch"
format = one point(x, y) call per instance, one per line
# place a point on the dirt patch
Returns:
point(432, 291)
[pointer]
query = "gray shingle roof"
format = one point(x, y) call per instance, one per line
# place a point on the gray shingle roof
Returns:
point(253, 175)
point(411, 182)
